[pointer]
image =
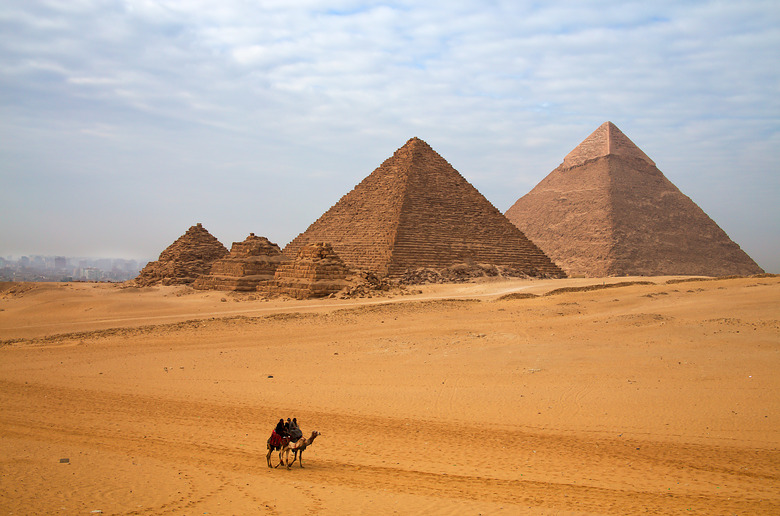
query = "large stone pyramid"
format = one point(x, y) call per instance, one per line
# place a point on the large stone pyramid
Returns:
point(415, 211)
point(608, 211)
point(190, 256)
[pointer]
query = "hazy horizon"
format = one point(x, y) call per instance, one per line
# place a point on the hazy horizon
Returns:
point(123, 123)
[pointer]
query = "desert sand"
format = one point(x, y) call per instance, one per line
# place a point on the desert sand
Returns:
point(659, 398)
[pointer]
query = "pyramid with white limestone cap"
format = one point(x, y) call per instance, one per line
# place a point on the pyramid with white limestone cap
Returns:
point(605, 140)
point(608, 211)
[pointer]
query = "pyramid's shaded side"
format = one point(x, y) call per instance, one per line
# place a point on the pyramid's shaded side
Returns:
point(445, 220)
point(416, 211)
point(659, 230)
point(616, 215)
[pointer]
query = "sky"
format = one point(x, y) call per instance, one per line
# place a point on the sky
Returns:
point(123, 123)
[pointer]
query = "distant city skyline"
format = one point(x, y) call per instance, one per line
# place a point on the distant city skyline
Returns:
point(70, 259)
point(122, 124)
point(67, 268)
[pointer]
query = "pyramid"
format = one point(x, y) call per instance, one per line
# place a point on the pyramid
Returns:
point(608, 211)
point(317, 271)
point(250, 265)
point(184, 260)
point(417, 211)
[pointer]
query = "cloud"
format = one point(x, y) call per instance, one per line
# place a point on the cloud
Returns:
point(236, 105)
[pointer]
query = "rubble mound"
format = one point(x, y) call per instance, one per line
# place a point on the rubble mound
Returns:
point(362, 284)
point(182, 262)
point(460, 273)
point(249, 266)
point(415, 210)
point(608, 211)
point(317, 271)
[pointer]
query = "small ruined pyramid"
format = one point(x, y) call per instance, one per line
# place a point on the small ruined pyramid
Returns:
point(608, 211)
point(249, 266)
point(417, 211)
point(190, 256)
point(317, 271)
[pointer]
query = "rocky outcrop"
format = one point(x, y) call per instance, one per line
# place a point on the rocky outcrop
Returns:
point(608, 211)
point(249, 266)
point(317, 271)
point(182, 262)
point(415, 211)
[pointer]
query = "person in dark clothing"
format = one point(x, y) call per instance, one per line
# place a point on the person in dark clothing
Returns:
point(281, 429)
point(279, 437)
point(295, 432)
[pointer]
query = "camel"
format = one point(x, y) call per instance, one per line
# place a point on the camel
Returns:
point(277, 446)
point(297, 449)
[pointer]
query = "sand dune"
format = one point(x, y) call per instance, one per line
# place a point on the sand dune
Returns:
point(658, 398)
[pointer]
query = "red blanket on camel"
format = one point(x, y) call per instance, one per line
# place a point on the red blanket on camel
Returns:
point(276, 440)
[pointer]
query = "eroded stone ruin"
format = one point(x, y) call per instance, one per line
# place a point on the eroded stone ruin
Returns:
point(608, 211)
point(317, 271)
point(249, 266)
point(182, 262)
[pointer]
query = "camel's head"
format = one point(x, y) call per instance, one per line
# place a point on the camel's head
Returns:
point(314, 434)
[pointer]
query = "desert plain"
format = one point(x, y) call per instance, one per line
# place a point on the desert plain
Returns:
point(499, 397)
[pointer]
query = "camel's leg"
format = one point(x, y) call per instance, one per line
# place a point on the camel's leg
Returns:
point(295, 456)
point(300, 459)
point(268, 457)
point(280, 458)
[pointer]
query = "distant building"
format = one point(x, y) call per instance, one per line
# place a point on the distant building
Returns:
point(60, 262)
point(91, 273)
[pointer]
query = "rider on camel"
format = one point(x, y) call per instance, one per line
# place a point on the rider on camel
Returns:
point(279, 433)
point(295, 432)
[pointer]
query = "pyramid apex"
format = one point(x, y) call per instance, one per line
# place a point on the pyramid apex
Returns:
point(413, 147)
point(606, 140)
point(414, 141)
point(196, 229)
